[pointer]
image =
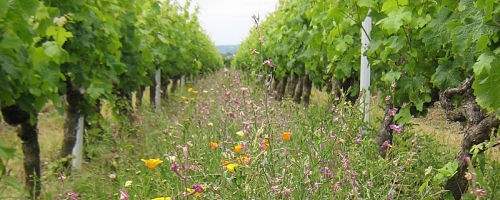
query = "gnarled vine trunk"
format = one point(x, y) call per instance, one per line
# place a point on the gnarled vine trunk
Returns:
point(479, 126)
point(28, 133)
point(384, 134)
point(298, 90)
point(282, 87)
point(306, 94)
point(174, 84)
point(292, 83)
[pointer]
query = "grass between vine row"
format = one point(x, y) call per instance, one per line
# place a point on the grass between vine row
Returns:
point(215, 141)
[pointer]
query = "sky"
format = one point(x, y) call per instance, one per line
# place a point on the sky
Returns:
point(228, 22)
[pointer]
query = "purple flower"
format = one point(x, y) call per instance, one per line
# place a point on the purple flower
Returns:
point(123, 195)
point(198, 188)
point(338, 186)
point(386, 144)
point(467, 160)
point(396, 128)
point(174, 166)
point(392, 112)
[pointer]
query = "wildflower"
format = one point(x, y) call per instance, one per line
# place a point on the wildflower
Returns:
point(478, 192)
point(396, 128)
point(386, 144)
point(123, 195)
point(152, 163)
point(230, 167)
point(74, 196)
point(128, 183)
point(238, 148)
point(213, 145)
point(286, 136)
point(467, 160)
point(269, 63)
point(174, 166)
point(195, 91)
point(287, 192)
point(61, 178)
point(210, 124)
point(264, 144)
point(240, 133)
point(183, 98)
point(392, 112)
point(244, 159)
point(338, 186)
point(393, 85)
point(274, 188)
point(388, 98)
point(112, 176)
point(225, 162)
point(162, 198)
point(190, 90)
point(470, 176)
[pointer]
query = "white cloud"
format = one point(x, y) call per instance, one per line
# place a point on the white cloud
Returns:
point(228, 21)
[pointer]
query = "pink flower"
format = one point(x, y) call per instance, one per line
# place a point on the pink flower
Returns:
point(392, 112)
point(388, 98)
point(73, 196)
point(198, 188)
point(393, 85)
point(274, 188)
point(467, 160)
point(123, 195)
point(386, 144)
point(396, 128)
point(269, 63)
point(287, 192)
point(174, 166)
point(479, 192)
point(470, 176)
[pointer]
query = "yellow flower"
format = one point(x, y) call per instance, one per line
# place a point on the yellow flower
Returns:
point(162, 198)
point(230, 167)
point(195, 92)
point(190, 90)
point(151, 163)
point(238, 148)
point(286, 136)
point(213, 145)
point(183, 98)
point(240, 133)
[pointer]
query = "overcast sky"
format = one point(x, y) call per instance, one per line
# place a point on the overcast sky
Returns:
point(228, 21)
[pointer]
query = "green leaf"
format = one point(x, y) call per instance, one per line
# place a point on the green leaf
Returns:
point(51, 49)
point(59, 34)
point(391, 76)
point(447, 75)
point(394, 20)
point(482, 43)
point(392, 5)
point(483, 63)
point(403, 116)
point(487, 88)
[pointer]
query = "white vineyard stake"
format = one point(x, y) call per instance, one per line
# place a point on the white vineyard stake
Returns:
point(158, 89)
point(77, 151)
point(182, 80)
point(365, 67)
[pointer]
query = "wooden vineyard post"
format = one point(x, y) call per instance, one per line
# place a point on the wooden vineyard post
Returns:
point(366, 28)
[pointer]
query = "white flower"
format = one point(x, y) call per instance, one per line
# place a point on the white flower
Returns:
point(128, 183)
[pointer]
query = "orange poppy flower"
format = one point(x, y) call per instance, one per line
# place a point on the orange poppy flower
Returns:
point(213, 145)
point(238, 148)
point(286, 136)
